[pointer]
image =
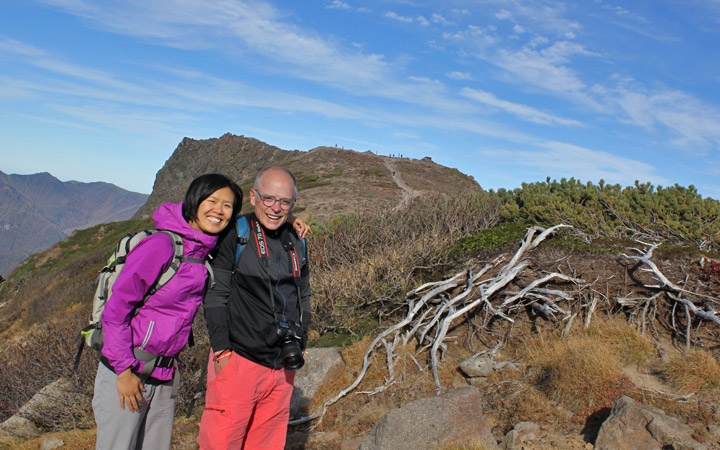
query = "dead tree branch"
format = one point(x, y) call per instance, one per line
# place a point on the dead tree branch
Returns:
point(433, 309)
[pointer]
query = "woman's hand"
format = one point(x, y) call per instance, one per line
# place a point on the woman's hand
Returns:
point(300, 226)
point(129, 387)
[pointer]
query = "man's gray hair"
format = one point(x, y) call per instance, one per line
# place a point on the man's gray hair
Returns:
point(260, 174)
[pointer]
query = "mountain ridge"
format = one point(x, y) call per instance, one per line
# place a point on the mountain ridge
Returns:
point(38, 210)
point(331, 180)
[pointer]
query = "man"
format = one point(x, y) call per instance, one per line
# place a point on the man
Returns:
point(257, 316)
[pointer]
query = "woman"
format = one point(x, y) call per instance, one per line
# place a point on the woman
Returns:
point(143, 416)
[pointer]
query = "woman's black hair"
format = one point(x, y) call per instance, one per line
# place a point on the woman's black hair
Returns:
point(202, 187)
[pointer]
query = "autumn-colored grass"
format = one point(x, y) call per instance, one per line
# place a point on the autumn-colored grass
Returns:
point(582, 371)
point(693, 371)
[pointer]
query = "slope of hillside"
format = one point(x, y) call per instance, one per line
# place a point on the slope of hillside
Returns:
point(38, 210)
point(331, 180)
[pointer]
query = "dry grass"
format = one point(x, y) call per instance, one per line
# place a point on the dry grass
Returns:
point(625, 342)
point(358, 412)
point(693, 371)
point(74, 439)
point(470, 446)
point(46, 351)
point(518, 401)
point(361, 264)
point(569, 368)
point(582, 371)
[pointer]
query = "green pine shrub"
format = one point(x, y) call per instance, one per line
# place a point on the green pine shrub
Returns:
point(676, 214)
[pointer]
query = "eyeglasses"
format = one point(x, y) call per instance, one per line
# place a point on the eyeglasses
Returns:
point(269, 201)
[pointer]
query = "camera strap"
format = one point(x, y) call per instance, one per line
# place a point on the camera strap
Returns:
point(264, 256)
point(261, 242)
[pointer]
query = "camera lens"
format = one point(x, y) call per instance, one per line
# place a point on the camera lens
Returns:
point(291, 355)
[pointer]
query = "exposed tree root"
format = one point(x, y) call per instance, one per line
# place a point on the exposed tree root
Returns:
point(433, 308)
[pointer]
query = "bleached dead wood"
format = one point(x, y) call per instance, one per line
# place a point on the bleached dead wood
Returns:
point(591, 309)
point(433, 308)
point(674, 291)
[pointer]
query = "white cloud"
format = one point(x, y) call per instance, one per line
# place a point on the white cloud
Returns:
point(522, 111)
point(338, 4)
point(503, 14)
point(395, 16)
point(421, 20)
point(695, 123)
point(541, 16)
point(439, 18)
point(475, 38)
point(547, 68)
point(459, 75)
point(251, 25)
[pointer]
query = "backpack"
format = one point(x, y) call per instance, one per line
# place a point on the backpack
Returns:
point(92, 335)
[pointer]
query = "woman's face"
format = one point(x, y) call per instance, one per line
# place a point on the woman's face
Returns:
point(215, 212)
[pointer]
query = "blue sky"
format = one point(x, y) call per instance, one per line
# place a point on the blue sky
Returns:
point(505, 91)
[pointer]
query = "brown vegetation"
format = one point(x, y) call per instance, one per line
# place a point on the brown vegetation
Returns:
point(620, 337)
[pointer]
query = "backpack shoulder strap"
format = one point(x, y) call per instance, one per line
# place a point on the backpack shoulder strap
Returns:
point(179, 257)
point(242, 232)
point(178, 253)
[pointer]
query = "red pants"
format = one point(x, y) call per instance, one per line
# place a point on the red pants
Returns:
point(247, 406)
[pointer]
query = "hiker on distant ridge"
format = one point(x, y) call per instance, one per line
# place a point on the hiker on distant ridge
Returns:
point(257, 316)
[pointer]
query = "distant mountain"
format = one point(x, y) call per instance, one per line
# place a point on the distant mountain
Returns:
point(331, 180)
point(39, 210)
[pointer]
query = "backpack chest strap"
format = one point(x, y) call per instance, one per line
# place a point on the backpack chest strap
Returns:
point(152, 361)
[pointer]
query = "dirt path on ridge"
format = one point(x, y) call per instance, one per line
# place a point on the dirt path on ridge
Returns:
point(408, 193)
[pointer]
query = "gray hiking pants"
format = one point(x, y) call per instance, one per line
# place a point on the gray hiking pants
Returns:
point(119, 429)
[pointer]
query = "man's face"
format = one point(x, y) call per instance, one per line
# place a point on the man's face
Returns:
point(275, 188)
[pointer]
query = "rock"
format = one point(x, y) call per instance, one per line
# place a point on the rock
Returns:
point(521, 433)
point(527, 430)
point(51, 442)
point(318, 363)
point(688, 446)
point(455, 418)
point(632, 425)
point(351, 444)
point(19, 427)
point(477, 367)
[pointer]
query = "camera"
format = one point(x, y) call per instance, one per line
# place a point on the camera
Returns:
point(287, 336)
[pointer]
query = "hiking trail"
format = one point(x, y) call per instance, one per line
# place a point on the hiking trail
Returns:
point(408, 193)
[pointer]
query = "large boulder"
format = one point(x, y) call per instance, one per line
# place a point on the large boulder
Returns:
point(318, 363)
point(55, 403)
point(454, 418)
point(634, 426)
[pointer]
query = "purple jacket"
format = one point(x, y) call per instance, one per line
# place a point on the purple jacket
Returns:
point(162, 325)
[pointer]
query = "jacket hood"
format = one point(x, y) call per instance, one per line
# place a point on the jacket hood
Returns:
point(168, 216)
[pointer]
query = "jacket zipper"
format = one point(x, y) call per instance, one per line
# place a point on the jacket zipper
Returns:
point(148, 333)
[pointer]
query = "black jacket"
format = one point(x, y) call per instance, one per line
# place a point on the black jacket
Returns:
point(251, 296)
